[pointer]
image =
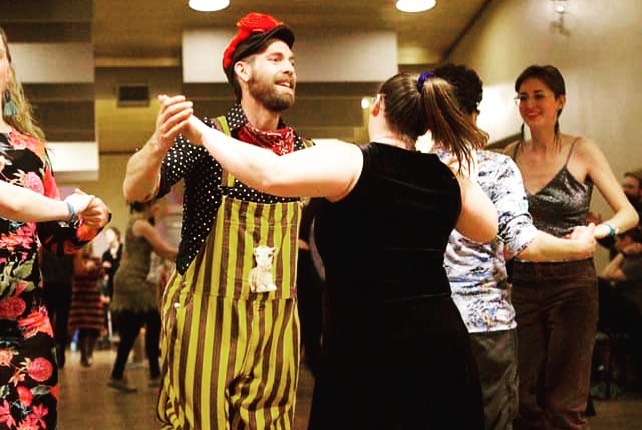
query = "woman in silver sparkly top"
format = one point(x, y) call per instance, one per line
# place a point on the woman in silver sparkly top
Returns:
point(556, 302)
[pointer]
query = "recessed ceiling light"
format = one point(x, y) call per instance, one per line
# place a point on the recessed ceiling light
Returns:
point(208, 5)
point(415, 5)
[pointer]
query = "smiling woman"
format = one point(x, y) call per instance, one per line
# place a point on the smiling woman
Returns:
point(556, 302)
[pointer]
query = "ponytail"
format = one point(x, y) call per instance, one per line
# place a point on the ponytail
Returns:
point(417, 105)
point(448, 125)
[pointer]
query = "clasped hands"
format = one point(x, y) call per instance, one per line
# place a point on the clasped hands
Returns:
point(175, 116)
point(584, 235)
point(90, 209)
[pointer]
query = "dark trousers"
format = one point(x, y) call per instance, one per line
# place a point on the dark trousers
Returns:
point(557, 311)
point(496, 357)
point(58, 301)
point(129, 324)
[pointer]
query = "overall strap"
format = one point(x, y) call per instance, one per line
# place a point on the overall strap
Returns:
point(220, 123)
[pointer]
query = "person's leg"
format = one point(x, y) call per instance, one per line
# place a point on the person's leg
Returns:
point(51, 299)
point(129, 325)
point(58, 300)
point(572, 326)
point(92, 337)
point(61, 333)
point(531, 346)
point(152, 342)
point(104, 338)
point(265, 397)
point(495, 353)
point(86, 348)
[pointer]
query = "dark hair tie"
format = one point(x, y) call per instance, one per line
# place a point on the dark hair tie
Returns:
point(422, 79)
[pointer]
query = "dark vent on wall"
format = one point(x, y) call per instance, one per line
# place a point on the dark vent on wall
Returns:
point(133, 95)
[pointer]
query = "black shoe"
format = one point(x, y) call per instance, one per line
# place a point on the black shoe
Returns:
point(121, 385)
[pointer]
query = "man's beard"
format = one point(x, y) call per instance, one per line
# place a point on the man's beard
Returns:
point(269, 96)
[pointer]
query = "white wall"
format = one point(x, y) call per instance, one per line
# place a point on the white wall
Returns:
point(48, 63)
point(320, 57)
point(599, 53)
point(74, 161)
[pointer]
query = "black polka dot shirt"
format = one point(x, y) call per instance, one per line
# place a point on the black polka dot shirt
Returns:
point(203, 187)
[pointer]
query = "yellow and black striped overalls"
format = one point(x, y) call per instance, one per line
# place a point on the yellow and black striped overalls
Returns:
point(230, 355)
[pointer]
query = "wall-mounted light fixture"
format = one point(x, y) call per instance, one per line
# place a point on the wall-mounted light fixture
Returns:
point(560, 10)
point(208, 5)
point(414, 6)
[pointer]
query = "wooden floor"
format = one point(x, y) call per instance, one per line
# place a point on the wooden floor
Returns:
point(87, 403)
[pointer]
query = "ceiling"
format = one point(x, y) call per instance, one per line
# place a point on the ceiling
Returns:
point(140, 41)
point(126, 30)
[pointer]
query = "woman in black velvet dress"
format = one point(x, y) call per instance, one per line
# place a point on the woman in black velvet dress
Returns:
point(395, 351)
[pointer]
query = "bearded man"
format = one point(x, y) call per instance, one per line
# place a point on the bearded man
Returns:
point(229, 348)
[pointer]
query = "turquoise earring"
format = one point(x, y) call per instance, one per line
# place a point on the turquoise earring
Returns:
point(10, 108)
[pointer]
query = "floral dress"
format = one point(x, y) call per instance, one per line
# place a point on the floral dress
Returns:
point(28, 373)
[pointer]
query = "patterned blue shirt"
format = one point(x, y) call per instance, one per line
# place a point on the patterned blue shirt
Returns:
point(477, 272)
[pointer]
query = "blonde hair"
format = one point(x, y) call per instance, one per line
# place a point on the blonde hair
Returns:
point(23, 121)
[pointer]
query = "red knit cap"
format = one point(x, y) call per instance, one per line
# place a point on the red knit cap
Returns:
point(254, 30)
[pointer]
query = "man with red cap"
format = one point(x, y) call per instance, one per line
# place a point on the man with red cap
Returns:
point(230, 340)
